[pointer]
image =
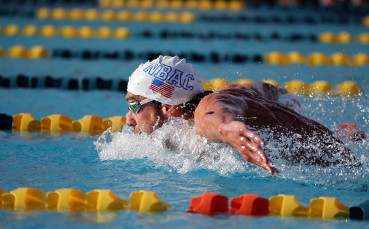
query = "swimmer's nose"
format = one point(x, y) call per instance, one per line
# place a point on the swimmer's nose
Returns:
point(130, 120)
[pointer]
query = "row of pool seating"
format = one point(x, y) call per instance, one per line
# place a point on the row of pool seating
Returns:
point(209, 203)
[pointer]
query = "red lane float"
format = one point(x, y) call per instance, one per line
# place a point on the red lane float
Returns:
point(209, 203)
point(350, 132)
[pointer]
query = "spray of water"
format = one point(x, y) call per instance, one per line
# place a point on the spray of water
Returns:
point(176, 147)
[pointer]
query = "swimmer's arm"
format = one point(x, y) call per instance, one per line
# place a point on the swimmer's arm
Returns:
point(274, 93)
point(268, 91)
point(214, 123)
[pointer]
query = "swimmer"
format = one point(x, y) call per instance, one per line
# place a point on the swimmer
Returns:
point(168, 88)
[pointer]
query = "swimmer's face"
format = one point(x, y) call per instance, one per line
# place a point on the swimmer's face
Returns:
point(147, 119)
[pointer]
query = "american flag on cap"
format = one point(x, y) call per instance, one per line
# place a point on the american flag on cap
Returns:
point(162, 88)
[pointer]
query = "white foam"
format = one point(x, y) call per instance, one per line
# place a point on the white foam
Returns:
point(174, 146)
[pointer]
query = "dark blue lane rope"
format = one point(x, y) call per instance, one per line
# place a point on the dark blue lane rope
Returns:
point(342, 19)
point(124, 55)
point(216, 35)
point(66, 82)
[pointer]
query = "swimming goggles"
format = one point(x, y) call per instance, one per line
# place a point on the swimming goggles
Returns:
point(135, 106)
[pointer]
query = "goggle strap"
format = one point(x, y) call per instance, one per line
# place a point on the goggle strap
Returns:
point(145, 101)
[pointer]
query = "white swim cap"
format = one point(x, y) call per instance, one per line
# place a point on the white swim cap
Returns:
point(167, 79)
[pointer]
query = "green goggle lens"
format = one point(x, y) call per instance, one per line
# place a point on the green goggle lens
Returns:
point(136, 106)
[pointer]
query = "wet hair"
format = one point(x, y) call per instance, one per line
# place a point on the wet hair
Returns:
point(190, 106)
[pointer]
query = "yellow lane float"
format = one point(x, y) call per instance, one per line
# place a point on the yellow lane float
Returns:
point(68, 31)
point(287, 205)
point(147, 4)
point(328, 208)
point(66, 199)
point(296, 86)
point(57, 122)
point(327, 37)
point(11, 30)
point(76, 14)
point(363, 38)
point(156, 17)
point(2, 52)
point(191, 4)
point(105, 3)
point(104, 200)
point(365, 21)
point(69, 199)
point(17, 51)
point(59, 14)
point(25, 122)
point(121, 33)
point(360, 59)
point(145, 201)
point(108, 15)
point(209, 203)
point(48, 31)
point(104, 32)
point(340, 59)
point(141, 16)
point(320, 87)
point(43, 13)
point(28, 198)
point(117, 3)
point(92, 15)
point(187, 17)
point(348, 88)
point(343, 37)
point(124, 15)
point(89, 123)
point(243, 81)
point(116, 123)
point(318, 58)
point(37, 52)
point(272, 82)
point(235, 5)
point(276, 58)
point(176, 4)
point(86, 32)
point(216, 84)
point(29, 30)
point(296, 58)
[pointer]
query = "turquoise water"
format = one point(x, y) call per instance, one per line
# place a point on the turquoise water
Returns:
point(125, 163)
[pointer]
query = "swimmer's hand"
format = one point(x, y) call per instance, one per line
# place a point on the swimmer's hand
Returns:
point(247, 143)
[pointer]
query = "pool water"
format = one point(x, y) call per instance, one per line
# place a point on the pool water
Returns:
point(125, 163)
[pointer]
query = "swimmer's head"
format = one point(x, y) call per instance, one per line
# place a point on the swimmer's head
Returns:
point(159, 90)
point(168, 80)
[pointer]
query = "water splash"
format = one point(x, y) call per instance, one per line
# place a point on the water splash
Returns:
point(176, 147)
